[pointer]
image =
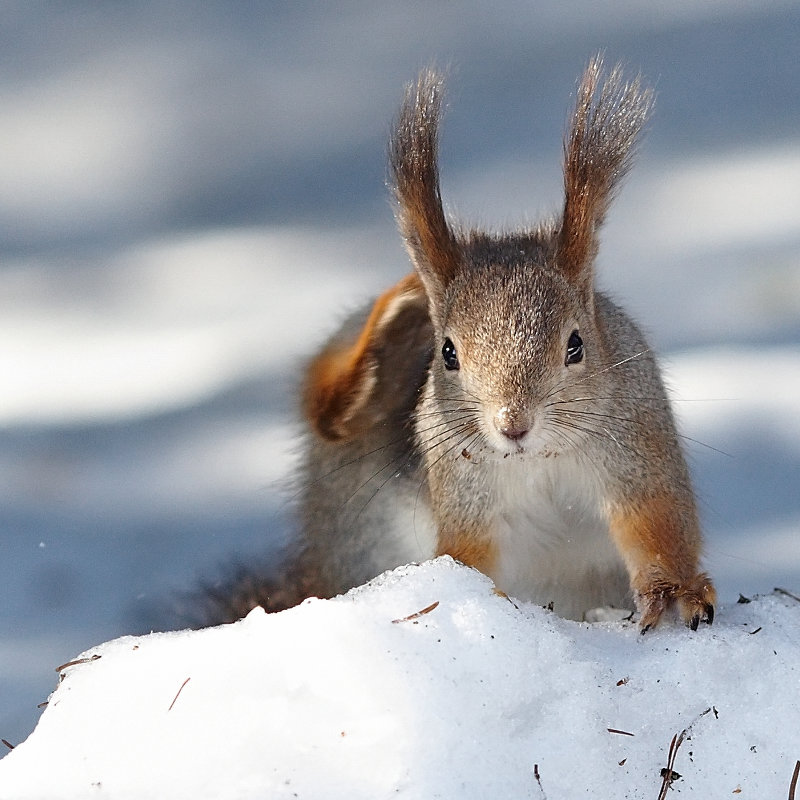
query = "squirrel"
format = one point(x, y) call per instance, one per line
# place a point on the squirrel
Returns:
point(494, 407)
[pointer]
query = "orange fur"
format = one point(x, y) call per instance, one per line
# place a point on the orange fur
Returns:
point(650, 534)
point(338, 381)
point(660, 543)
point(473, 549)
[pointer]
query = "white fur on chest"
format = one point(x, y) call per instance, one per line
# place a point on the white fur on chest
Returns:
point(411, 534)
point(552, 536)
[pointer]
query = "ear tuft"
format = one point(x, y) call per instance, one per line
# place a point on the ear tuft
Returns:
point(598, 152)
point(413, 154)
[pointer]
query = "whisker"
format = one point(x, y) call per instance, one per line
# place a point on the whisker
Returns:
point(349, 463)
point(388, 465)
point(591, 399)
point(706, 445)
point(595, 398)
point(395, 473)
point(473, 433)
point(467, 441)
point(578, 381)
point(450, 423)
point(641, 424)
point(361, 456)
point(442, 412)
point(601, 433)
point(598, 414)
point(445, 437)
point(567, 435)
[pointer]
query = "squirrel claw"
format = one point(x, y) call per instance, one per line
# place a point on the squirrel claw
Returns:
point(652, 605)
point(707, 616)
point(695, 603)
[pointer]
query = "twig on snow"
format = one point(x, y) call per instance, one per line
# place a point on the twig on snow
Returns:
point(417, 614)
point(178, 694)
point(621, 733)
point(668, 774)
point(786, 592)
point(539, 780)
point(77, 661)
point(793, 784)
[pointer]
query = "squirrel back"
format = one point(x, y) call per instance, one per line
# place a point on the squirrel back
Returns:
point(494, 407)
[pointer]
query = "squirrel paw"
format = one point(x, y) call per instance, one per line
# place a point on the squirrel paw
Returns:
point(694, 602)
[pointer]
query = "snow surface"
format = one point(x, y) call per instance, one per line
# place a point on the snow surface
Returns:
point(474, 698)
point(191, 197)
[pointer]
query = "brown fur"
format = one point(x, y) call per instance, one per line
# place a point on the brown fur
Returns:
point(340, 381)
point(594, 162)
point(412, 161)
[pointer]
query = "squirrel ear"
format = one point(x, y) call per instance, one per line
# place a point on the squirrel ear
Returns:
point(598, 151)
point(370, 373)
point(413, 151)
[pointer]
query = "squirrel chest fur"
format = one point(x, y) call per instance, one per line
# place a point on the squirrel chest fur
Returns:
point(494, 407)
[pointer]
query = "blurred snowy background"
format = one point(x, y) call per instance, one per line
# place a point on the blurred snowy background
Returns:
point(191, 196)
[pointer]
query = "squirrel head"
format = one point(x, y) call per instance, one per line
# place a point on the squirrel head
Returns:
point(513, 314)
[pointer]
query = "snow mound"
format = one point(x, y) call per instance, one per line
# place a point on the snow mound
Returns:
point(474, 697)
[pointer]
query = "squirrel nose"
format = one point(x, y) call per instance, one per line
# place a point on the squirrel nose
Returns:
point(513, 433)
point(512, 425)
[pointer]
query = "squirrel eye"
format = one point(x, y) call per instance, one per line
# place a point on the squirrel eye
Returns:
point(574, 349)
point(449, 355)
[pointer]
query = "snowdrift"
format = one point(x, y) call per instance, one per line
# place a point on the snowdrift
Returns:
point(425, 683)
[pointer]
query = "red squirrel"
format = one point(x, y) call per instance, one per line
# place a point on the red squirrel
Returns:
point(494, 407)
